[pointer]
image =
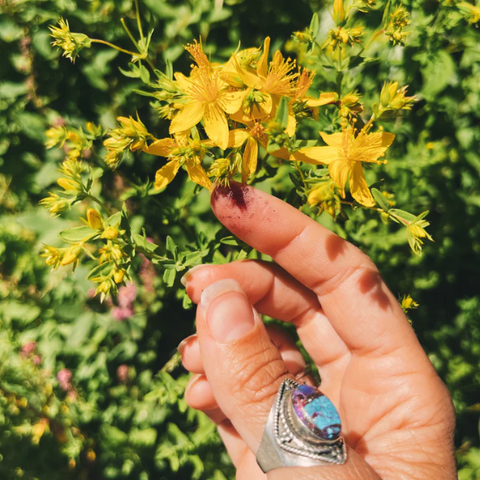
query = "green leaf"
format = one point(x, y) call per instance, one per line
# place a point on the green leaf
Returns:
point(102, 270)
point(402, 214)
point(192, 258)
point(77, 234)
point(314, 25)
point(142, 242)
point(282, 113)
point(80, 330)
point(144, 74)
point(169, 276)
point(171, 246)
point(115, 219)
point(380, 199)
point(231, 240)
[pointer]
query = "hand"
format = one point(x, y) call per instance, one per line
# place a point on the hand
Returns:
point(397, 415)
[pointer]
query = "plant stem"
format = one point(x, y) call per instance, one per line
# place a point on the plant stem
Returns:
point(139, 22)
point(339, 81)
point(99, 202)
point(111, 45)
point(132, 38)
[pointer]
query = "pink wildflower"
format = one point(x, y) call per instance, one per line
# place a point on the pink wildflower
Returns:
point(64, 378)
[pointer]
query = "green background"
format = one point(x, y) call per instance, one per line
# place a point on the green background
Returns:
point(139, 426)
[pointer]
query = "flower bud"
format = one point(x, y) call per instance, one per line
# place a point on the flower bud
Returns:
point(94, 219)
point(110, 233)
point(119, 275)
point(338, 12)
point(69, 185)
point(71, 255)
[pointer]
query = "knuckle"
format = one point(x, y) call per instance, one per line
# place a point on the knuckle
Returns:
point(258, 377)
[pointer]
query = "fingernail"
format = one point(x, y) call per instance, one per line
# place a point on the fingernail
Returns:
point(228, 312)
point(185, 342)
point(187, 276)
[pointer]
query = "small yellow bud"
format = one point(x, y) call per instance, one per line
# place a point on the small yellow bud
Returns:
point(338, 12)
point(119, 275)
point(418, 231)
point(71, 255)
point(91, 456)
point(72, 464)
point(94, 219)
point(110, 233)
point(69, 185)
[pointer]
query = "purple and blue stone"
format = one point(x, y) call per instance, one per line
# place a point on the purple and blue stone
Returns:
point(316, 412)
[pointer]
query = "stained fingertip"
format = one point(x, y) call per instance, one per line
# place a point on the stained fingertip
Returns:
point(198, 394)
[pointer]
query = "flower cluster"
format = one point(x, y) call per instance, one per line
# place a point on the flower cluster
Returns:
point(235, 120)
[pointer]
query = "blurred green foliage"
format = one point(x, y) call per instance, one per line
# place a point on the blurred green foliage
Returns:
point(87, 391)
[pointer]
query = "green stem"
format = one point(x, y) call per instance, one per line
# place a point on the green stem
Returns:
point(339, 81)
point(139, 22)
point(99, 202)
point(351, 204)
point(132, 38)
point(111, 45)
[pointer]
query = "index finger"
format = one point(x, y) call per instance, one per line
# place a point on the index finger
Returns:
point(353, 295)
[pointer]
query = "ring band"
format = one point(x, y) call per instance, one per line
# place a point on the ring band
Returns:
point(303, 430)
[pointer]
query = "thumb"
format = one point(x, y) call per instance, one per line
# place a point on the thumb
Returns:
point(245, 370)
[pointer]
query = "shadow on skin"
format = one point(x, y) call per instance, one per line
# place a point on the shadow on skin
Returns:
point(334, 246)
point(371, 281)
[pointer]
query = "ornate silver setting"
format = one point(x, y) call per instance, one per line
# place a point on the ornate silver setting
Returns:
point(287, 442)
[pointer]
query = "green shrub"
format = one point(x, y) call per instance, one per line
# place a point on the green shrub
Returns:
point(92, 389)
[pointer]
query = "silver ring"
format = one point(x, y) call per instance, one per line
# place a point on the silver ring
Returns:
point(303, 430)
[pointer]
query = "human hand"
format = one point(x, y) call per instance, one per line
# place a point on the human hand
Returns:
point(397, 415)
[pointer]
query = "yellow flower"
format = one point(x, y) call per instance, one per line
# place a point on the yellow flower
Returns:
point(70, 42)
point(408, 303)
point(181, 150)
point(53, 255)
point(471, 11)
point(55, 136)
point(110, 233)
point(94, 219)
point(207, 97)
point(395, 27)
point(55, 204)
point(252, 136)
point(344, 156)
point(132, 135)
point(69, 185)
point(71, 255)
point(267, 84)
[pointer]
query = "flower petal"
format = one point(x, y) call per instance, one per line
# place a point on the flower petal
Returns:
point(262, 65)
point(232, 101)
point(369, 148)
point(358, 186)
point(291, 122)
point(183, 82)
point(339, 170)
point(198, 175)
point(166, 174)
point(317, 155)
point(250, 157)
point(248, 78)
point(161, 147)
point(237, 137)
point(216, 125)
point(325, 98)
point(188, 117)
point(335, 139)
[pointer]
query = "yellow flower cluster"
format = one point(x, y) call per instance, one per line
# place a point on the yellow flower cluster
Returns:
point(238, 105)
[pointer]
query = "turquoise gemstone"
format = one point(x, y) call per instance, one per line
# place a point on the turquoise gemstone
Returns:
point(316, 412)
